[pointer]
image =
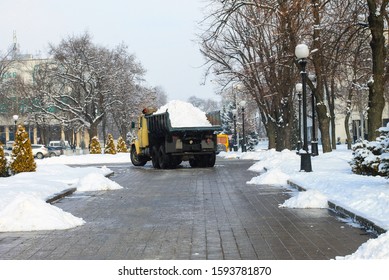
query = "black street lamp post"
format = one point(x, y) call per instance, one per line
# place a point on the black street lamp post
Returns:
point(234, 113)
point(302, 52)
point(15, 118)
point(314, 145)
point(242, 105)
point(299, 89)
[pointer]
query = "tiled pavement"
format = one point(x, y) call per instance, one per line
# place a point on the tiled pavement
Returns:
point(188, 213)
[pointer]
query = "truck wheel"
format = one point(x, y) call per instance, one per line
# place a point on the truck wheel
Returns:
point(163, 158)
point(176, 161)
point(135, 159)
point(154, 157)
point(211, 160)
point(193, 162)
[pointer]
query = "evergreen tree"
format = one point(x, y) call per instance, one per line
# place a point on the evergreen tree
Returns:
point(3, 162)
point(372, 158)
point(121, 146)
point(22, 158)
point(110, 146)
point(95, 147)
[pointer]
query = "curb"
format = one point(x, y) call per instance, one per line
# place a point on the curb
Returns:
point(57, 196)
point(343, 212)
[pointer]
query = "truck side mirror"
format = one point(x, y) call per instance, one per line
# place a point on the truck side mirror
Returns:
point(132, 125)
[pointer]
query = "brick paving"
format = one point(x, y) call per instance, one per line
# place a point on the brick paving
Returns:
point(188, 213)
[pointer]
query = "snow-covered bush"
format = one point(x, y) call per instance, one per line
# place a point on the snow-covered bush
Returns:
point(3, 162)
point(372, 158)
point(22, 158)
point(252, 141)
point(121, 146)
point(95, 147)
point(110, 146)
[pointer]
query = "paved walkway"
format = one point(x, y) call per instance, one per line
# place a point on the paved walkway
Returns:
point(188, 213)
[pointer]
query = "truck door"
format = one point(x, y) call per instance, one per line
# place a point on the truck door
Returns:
point(143, 135)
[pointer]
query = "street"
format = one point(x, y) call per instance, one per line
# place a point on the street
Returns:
point(188, 213)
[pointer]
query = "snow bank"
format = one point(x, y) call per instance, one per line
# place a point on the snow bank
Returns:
point(273, 177)
point(372, 249)
point(27, 212)
point(96, 182)
point(23, 197)
point(308, 199)
point(183, 114)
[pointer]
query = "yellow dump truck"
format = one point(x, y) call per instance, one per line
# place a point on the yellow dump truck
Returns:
point(168, 146)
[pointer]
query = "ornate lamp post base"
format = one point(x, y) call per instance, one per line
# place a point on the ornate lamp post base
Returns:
point(314, 148)
point(305, 163)
point(299, 146)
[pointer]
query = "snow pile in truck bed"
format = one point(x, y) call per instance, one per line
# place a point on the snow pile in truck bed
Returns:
point(183, 114)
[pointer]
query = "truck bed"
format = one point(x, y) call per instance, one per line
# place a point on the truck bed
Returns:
point(160, 124)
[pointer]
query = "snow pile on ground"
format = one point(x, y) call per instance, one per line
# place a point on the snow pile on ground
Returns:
point(183, 114)
point(26, 212)
point(308, 199)
point(96, 182)
point(372, 249)
point(23, 197)
point(275, 177)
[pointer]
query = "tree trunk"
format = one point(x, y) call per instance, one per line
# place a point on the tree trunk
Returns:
point(271, 134)
point(283, 137)
point(93, 130)
point(317, 58)
point(324, 125)
point(347, 118)
point(123, 131)
point(346, 127)
point(376, 87)
point(280, 140)
point(331, 99)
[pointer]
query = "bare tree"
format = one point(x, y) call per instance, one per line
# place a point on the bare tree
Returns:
point(206, 105)
point(251, 43)
point(377, 18)
point(86, 85)
point(8, 81)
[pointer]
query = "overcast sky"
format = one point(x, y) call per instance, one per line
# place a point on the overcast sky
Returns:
point(161, 33)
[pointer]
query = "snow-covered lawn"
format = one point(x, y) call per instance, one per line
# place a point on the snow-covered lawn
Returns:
point(23, 207)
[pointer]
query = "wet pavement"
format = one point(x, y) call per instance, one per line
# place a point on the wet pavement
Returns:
point(188, 213)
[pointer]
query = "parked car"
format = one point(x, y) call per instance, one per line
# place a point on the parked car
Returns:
point(7, 151)
point(55, 151)
point(59, 143)
point(39, 151)
point(9, 144)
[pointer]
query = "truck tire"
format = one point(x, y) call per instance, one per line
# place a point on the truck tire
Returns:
point(135, 159)
point(163, 158)
point(154, 157)
point(193, 162)
point(176, 161)
point(211, 160)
